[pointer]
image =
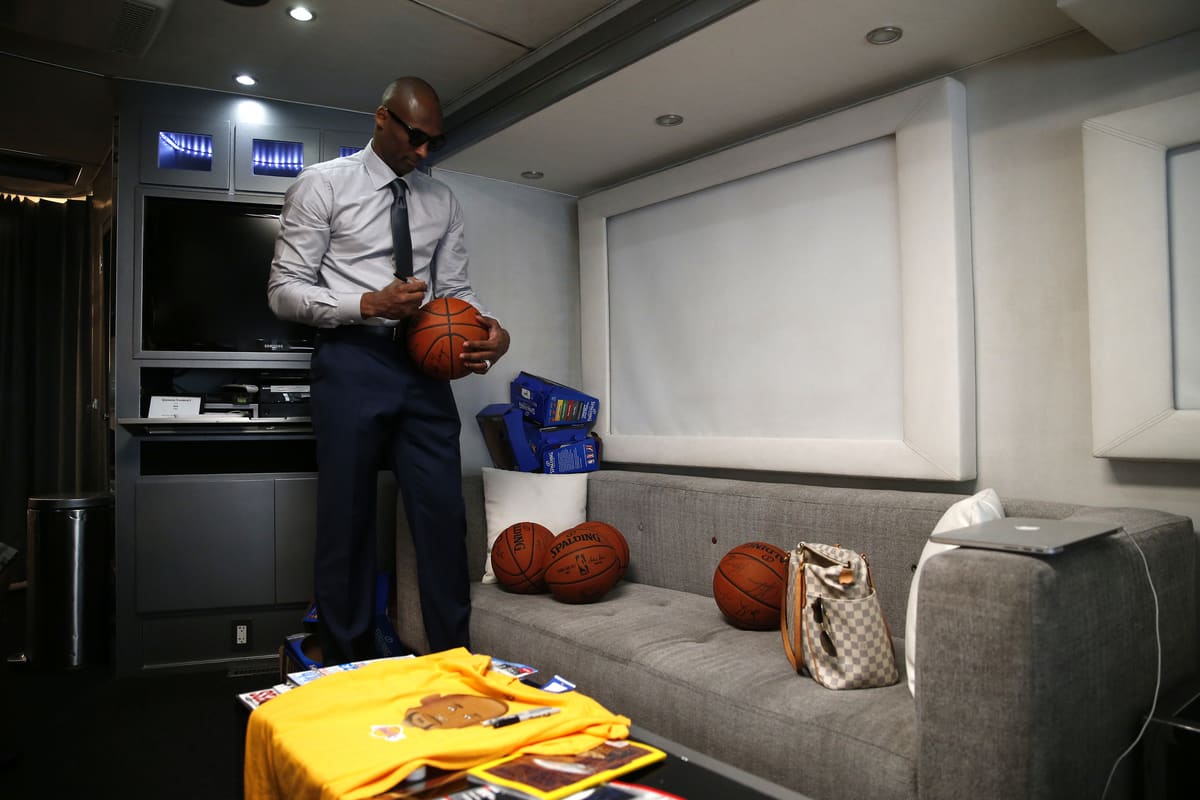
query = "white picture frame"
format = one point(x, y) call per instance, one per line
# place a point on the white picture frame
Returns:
point(1129, 281)
point(937, 315)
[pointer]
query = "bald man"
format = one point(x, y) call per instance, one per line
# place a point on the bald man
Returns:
point(346, 263)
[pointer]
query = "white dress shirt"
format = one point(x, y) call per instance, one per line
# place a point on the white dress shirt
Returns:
point(335, 241)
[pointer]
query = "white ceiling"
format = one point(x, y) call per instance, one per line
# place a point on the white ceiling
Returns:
point(770, 64)
point(341, 59)
point(552, 78)
point(57, 56)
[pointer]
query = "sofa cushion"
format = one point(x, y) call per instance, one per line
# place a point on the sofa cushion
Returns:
point(678, 528)
point(645, 642)
point(556, 501)
point(978, 508)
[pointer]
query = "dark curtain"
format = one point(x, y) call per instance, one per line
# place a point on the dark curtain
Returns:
point(49, 404)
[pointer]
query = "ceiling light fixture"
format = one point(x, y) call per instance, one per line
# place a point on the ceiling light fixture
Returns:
point(533, 175)
point(668, 120)
point(885, 35)
point(245, 80)
point(300, 14)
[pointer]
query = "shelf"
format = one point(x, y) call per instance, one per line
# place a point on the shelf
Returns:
point(213, 425)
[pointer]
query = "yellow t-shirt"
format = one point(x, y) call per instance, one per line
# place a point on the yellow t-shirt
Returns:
point(358, 733)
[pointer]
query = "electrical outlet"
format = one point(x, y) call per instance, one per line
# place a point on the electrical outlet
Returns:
point(240, 639)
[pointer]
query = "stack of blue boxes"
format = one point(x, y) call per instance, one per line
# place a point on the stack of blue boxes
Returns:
point(546, 428)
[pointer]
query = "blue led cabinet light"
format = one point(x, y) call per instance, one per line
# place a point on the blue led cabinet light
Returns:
point(190, 151)
point(280, 159)
point(347, 151)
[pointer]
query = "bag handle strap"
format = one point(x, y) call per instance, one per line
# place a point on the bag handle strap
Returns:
point(792, 645)
point(870, 577)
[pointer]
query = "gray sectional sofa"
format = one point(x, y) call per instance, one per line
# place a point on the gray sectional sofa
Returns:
point(1033, 674)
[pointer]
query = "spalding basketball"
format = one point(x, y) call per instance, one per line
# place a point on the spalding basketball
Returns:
point(520, 555)
point(749, 585)
point(612, 536)
point(583, 566)
point(437, 333)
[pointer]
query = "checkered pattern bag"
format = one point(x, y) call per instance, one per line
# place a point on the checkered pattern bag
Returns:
point(832, 624)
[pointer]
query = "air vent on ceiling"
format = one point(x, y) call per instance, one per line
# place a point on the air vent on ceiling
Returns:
point(138, 23)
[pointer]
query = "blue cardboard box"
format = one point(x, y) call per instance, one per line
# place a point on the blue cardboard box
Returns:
point(516, 443)
point(503, 429)
point(547, 403)
point(564, 449)
point(578, 456)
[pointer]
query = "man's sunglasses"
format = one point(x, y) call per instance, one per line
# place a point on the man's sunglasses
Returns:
point(416, 136)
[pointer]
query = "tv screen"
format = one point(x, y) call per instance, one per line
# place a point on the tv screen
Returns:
point(204, 278)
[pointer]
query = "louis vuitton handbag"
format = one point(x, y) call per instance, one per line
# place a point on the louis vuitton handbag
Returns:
point(832, 622)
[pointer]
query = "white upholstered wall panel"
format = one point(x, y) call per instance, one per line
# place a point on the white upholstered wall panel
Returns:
point(1183, 202)
point(1134, 412)
point(788, 279)
point(931, 335)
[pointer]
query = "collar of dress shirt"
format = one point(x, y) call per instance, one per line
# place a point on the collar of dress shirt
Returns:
point(381, 174)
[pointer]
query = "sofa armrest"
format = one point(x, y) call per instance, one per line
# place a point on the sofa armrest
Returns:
point(1036, 673)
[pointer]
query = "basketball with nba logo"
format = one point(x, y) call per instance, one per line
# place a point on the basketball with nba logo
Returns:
point(610, 535)
point(583, 566)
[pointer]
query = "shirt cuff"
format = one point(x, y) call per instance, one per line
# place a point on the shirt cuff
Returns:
point(349, 309)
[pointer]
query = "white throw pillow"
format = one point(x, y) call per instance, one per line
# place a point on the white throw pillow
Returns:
point(555, 501)
point(975, 509)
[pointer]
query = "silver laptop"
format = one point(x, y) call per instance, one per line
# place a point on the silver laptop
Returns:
point(1025, 535)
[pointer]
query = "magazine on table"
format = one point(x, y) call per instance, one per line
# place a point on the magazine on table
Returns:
point(310, 675)
point(513, 668)
point(617, 790)
point(551, 777)
point(613, 790)
point(253, 700)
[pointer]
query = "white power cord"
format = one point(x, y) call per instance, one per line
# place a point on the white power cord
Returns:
point(1157, 672)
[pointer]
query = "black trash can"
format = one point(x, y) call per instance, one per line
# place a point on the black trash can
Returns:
point(69, 569)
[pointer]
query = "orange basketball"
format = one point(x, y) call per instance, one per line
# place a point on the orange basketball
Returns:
point(749, 584)
point(583, 566)
point(437, 333)
point(519, 557)
point(611, 535)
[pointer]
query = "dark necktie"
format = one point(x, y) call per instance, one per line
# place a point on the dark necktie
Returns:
point(401, 238)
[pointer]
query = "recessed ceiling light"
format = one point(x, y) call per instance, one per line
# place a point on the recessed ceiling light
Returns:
point(669, 120)
point(245, 80)
point(885, 35)
point(533, 175)
point(300, 14)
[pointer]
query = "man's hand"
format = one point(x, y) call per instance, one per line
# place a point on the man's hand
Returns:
point(481, 355)
point(398, 300)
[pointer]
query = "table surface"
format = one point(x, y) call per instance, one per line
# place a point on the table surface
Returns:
point(1181, 710)
point(1171, 746)
point(686, 773)
point(695, 776)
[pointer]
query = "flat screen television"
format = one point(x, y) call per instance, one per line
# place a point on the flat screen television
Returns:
point(204, 272)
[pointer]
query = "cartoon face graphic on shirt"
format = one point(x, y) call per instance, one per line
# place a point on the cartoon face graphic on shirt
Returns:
point(453, 711)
